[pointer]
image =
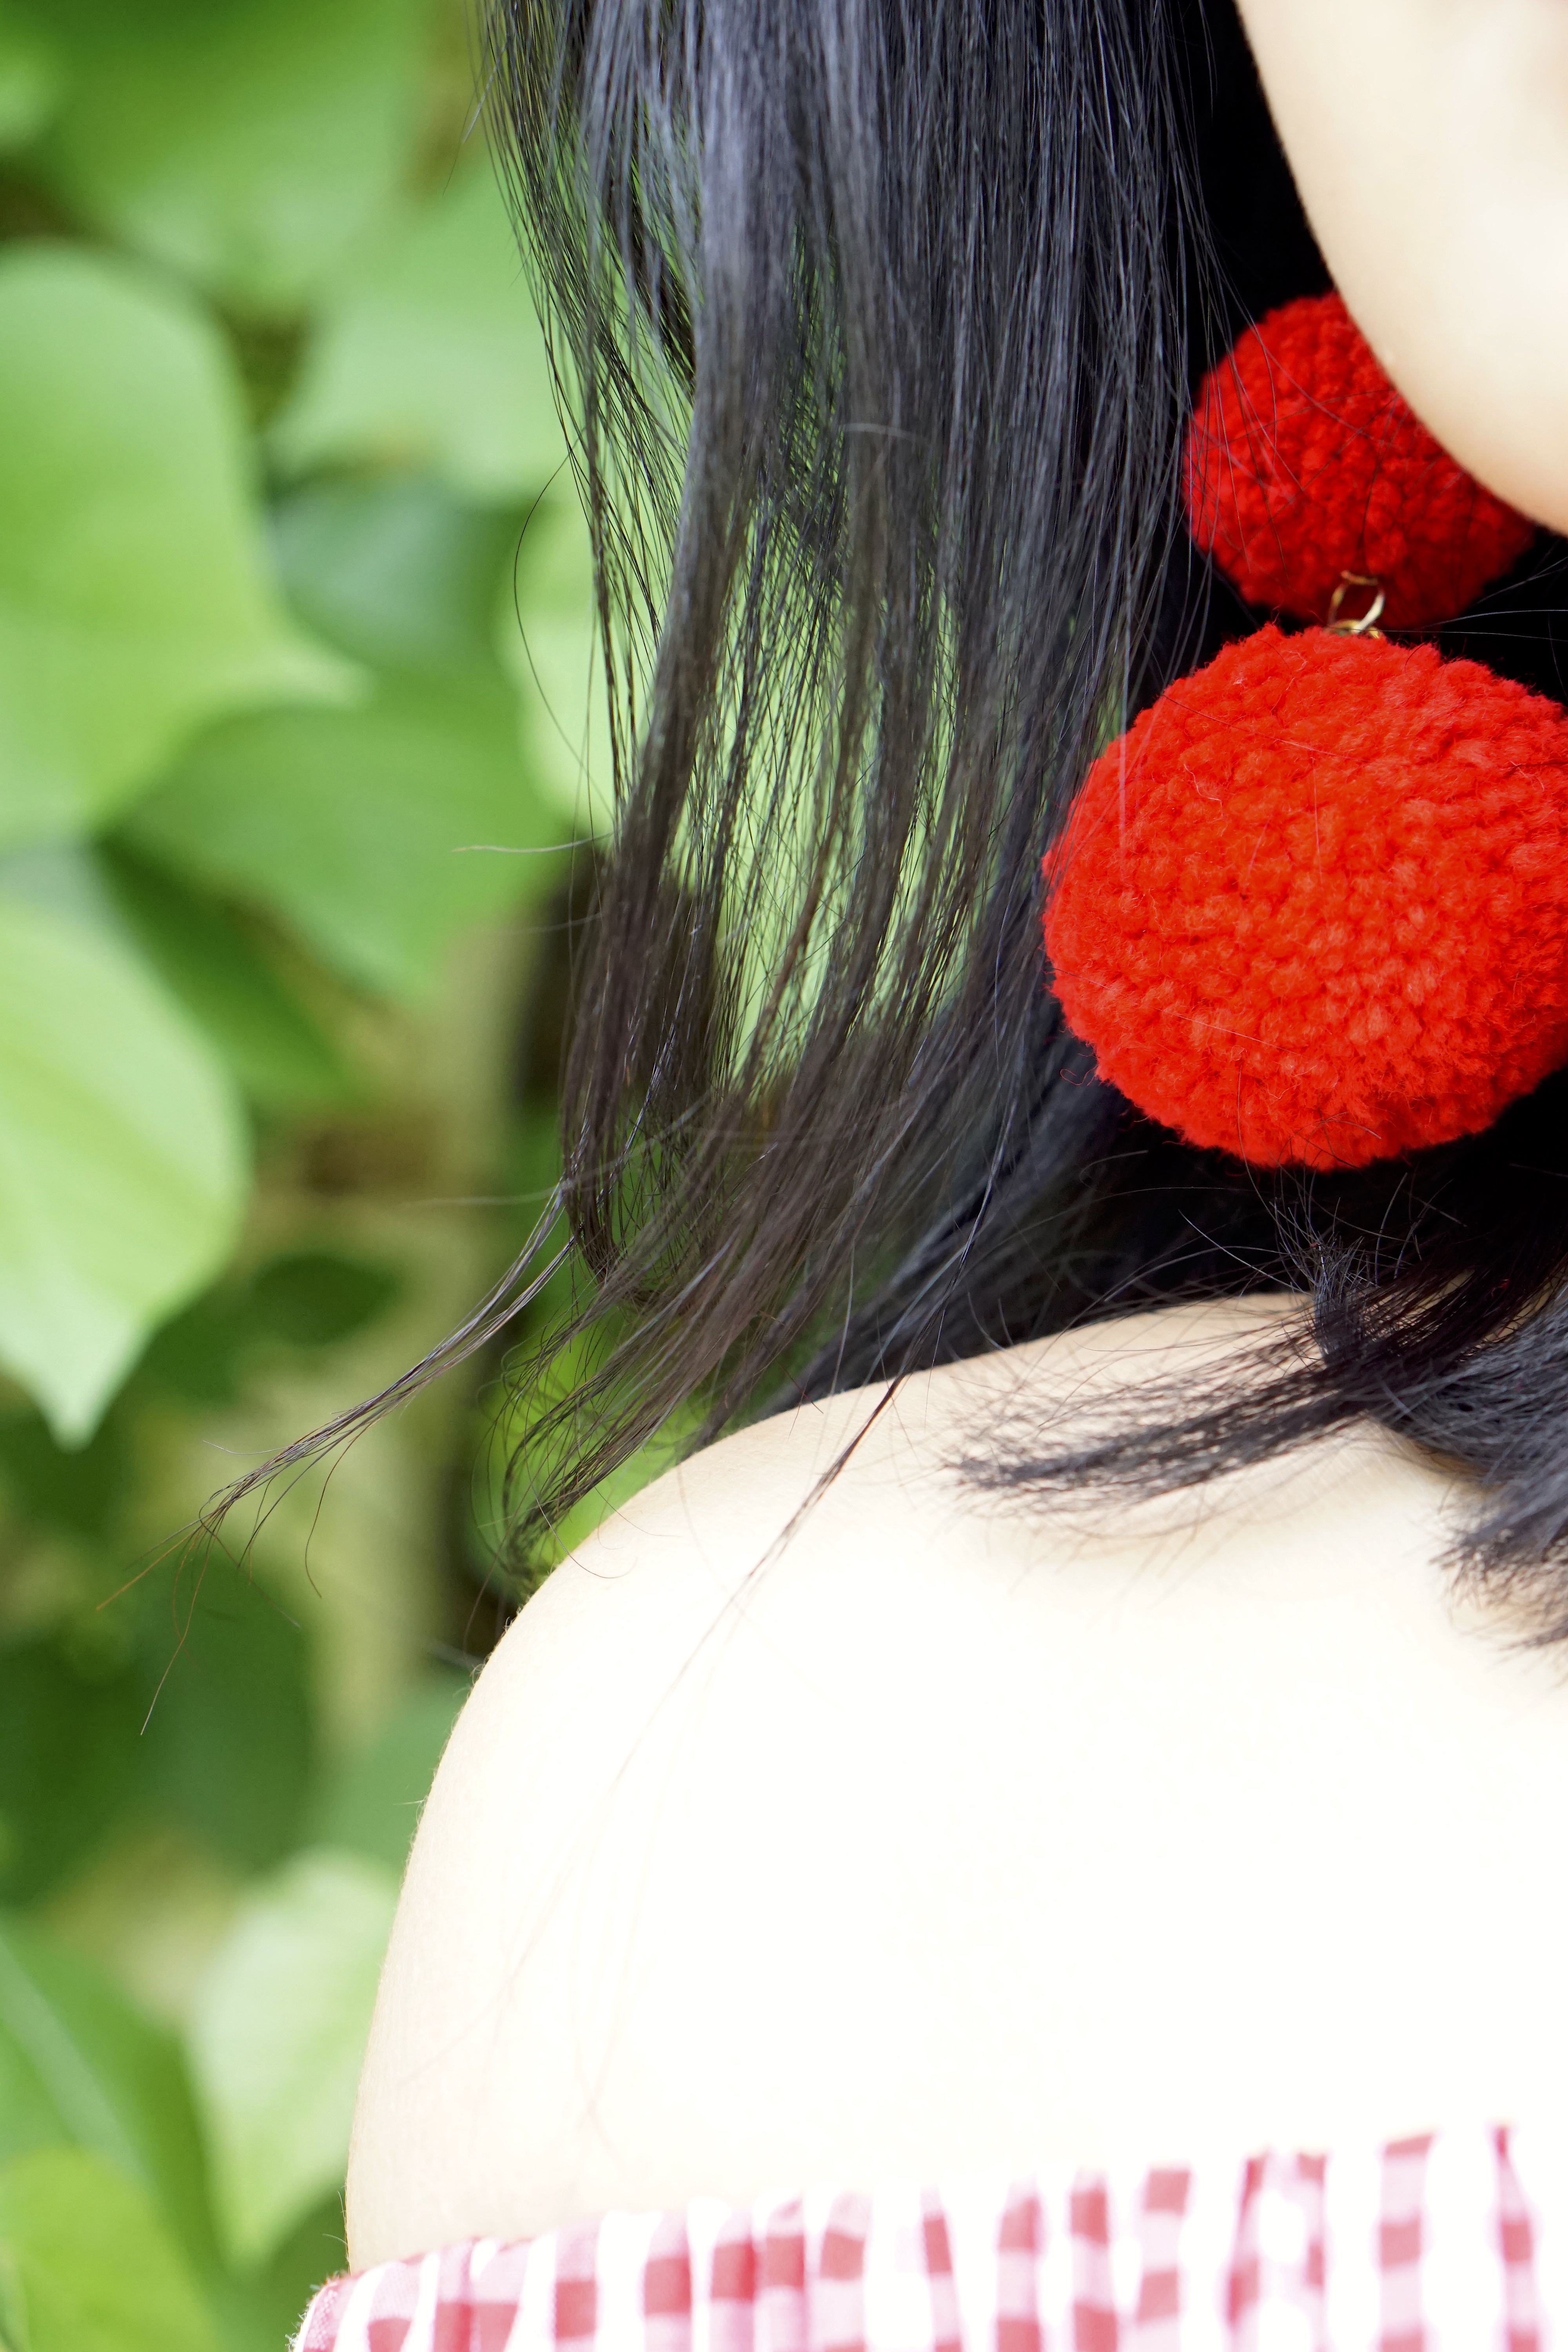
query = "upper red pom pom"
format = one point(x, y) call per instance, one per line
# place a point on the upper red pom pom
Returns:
point(1304, 462)
point(1313, 908)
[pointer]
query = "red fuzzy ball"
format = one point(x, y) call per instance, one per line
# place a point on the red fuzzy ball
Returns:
point(1313, 908)
point(1304, 462)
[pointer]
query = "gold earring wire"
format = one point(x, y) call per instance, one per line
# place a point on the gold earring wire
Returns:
point(1365, 626)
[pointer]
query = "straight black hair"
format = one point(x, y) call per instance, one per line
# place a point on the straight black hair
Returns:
point(875, 323)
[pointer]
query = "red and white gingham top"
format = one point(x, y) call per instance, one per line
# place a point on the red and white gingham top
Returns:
point(1454, 2242)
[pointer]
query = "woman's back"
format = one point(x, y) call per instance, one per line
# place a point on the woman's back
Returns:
point(953, 1836)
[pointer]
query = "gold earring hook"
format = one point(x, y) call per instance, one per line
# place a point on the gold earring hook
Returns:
point(1365, 626)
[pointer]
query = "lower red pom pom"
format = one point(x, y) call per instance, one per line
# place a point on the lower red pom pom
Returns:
point(1313, 908)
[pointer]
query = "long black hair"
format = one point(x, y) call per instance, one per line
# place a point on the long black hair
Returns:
point(875, 323)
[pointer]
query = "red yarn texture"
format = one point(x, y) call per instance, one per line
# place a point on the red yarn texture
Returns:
point(1304, 462)
point(1313, 908)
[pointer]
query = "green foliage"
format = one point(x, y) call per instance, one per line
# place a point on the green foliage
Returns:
point(249, 146)
point(397, 570)
point(203, 1717)
point(374, 831)
point(372, 1804)
point(63, 1741)
point(315, 1298)
point(551, 651)
point(86, 2266)
point(32, 80)
point(72, 1489)
point(216, 962)
point(277, 2038)
point(134, 602)
point(227, 1748)
point(124, 1171)
point(383, 832)
point(78, 2066)
point(305, 1298)
point(296, 665)
point(426, 357)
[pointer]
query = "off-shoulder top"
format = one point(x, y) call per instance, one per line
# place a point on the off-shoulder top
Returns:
point(1456, 2241)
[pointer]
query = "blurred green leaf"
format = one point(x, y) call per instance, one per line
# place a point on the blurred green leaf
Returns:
point(122, 1168)
point(32, 79)
point(267, 152)
point(95, 2073)
point(198, 1357)
point(371, 1804)
point(548, 640)
point(27, 2115)
point(88, 2266)
point(278, 2035)
point(432, 356)
point(208, 957)
point(252, 145)
point(262, 2311)
point(66, 1741)
point(313, 1298)
point(134, 603)
point(379, 833)
point(78, 1487)
point(230, 1741)
point(304, 1299)
point(41, 2050)
point(395, 569)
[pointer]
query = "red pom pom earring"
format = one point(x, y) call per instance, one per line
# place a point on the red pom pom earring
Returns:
point(1305, 471)
point(1312, 908)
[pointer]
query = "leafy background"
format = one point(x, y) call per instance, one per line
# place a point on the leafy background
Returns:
point(294, 675)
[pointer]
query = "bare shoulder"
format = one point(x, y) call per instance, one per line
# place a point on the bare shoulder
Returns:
point(858, 1486)
point(836, 1521)
point(812, 1760)
point(882, 1459)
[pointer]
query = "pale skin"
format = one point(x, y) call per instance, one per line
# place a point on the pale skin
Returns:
point(1429, 142)
point(907, 1835)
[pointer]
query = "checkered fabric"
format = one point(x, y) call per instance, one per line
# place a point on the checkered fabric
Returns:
point(1454, 2242)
